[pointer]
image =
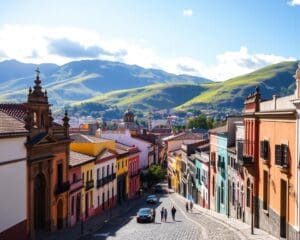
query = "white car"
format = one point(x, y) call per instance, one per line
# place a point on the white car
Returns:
point(152, 199)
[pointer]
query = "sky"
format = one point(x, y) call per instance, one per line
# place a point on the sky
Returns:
point(212, 39)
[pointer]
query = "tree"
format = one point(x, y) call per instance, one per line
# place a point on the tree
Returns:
point(201, 122)
point(155, 175)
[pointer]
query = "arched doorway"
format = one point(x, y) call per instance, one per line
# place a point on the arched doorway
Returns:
point(60, 214)
point(39, 202)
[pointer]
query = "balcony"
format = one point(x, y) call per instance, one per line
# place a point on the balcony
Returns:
point(62, 187)
point(101, 182)
point(246, 161)
point(76, 185)
point(89, 185)
point(135, 173)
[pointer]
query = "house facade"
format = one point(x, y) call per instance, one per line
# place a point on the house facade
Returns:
point(13, 174)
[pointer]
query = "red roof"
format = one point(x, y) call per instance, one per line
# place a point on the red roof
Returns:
point(15, 110)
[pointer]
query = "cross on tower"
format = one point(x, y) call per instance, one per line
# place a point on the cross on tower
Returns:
point(37, 71)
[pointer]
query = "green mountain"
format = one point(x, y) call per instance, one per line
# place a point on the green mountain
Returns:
point(80, 80)
point(157, 96)
point(275, 79)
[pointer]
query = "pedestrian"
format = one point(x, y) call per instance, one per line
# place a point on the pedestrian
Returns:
point(154, 214)
point(165, 214)
point(191, 205)
point(162, 212)
point(187, 206)
point(173, 211)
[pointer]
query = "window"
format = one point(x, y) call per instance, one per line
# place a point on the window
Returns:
point(102, 172)
point(118, 165)
point(98, 200)
point(108, 198)
point(233, 193)
point(112, 168)
point(72, 206)
point(264, 149)
point(98, 173)
point(248, 193)
point(265, 190)
point(222, 192)
point(83, 176)
point(213, 186)
point(281, 155)
point(59, 174)
point(107, 170)
point(74, 177)
point(103, 201)
point(91, 174)
point(87, 176)
point(122, 164)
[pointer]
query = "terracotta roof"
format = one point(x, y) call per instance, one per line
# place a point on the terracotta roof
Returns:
point(217, 130)
point(185, 136)
point(149, 137)
point(10, 125)
point(15, 110)
point(79, 158)
point(81, 138)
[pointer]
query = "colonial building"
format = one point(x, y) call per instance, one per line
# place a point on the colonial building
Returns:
point(13, 182)
point(77, 160)
point(98, 175)
point(201, 159)
point(273, 160)
point(133, 172)
point(146, 148)
point(122, 172)
point(220, 139)
point(47, 147)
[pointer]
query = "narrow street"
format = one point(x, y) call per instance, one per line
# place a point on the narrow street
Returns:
point(189, 226)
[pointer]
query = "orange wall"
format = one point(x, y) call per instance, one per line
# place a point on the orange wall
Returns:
point(279, 132)
point(59, 157)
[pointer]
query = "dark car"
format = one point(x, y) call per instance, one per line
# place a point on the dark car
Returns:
point(145, 215)
point(158, 189)
point(152, 199)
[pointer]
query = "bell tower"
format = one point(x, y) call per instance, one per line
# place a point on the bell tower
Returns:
point(39, 118)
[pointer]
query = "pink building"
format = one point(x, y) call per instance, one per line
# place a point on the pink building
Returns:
point(133, 172)
point(76, 184)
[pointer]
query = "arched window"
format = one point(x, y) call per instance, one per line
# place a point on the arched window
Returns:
point(248, 193)
point(35, 120)
point(42, 121)
point(222, 192)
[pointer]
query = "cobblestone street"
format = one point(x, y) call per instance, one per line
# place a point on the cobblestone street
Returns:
point(196, 225)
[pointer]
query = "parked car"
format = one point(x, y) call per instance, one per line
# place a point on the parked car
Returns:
point(158, 189)
point(145, 215)
point(152, 199)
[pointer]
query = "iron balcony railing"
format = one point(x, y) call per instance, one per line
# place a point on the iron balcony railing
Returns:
point(101, 182)
point(89, 185)
point(62, 187)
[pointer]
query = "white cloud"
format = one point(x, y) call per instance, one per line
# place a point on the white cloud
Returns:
point(294, 2)
point(35, 42)
point(187, 12)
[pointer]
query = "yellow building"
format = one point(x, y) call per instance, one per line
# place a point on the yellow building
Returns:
point(97, 173)
point(174, 163)
point(122, 171)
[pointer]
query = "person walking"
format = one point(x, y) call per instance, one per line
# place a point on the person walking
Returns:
point(187, 206)
point(191, 205)
point(173, 211)
point(165, 214)
point(154, 214)
point(162, 213)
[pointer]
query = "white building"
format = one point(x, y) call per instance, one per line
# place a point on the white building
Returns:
point(124, 137)
point(105, 194)
point(13, 178)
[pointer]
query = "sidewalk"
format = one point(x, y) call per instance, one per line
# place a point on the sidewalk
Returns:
point(92, 224)
point(232, 223)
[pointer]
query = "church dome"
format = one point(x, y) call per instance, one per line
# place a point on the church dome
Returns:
point(128, 116)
